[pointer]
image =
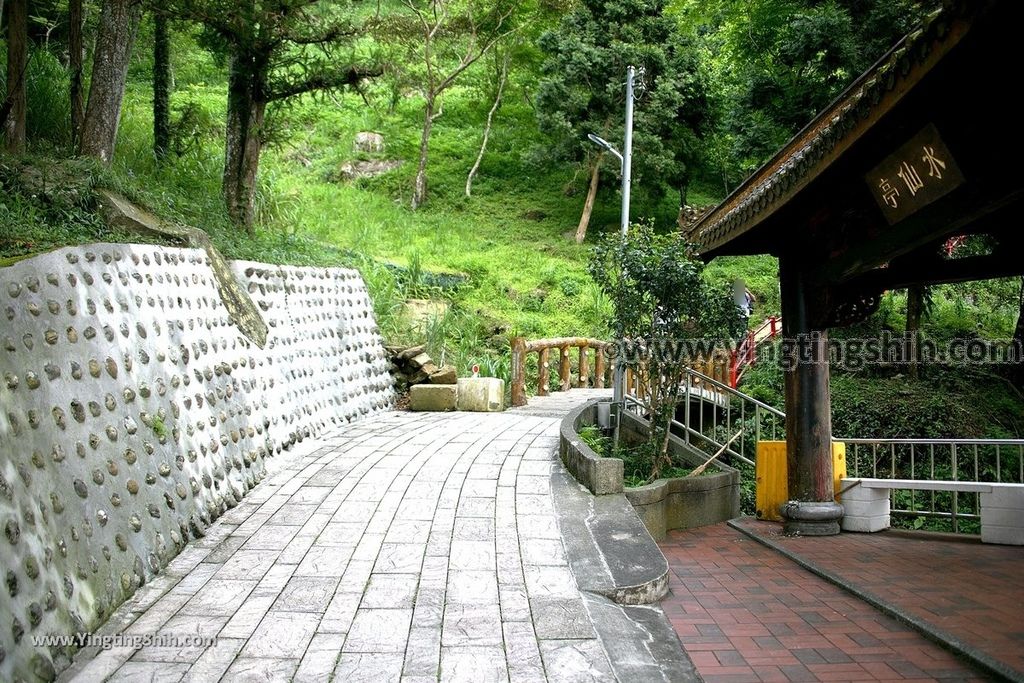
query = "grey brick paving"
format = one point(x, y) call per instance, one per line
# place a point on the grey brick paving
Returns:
point(413, 548)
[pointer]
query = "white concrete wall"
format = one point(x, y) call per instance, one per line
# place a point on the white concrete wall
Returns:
point(133, 413)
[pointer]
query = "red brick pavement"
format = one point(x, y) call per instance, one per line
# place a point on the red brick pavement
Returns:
point(746, 613)
point(969, 590)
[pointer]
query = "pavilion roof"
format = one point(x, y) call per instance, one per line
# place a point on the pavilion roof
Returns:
point(820, 143)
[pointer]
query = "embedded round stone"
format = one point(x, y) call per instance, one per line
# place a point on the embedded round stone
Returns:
point(12, 531)
point(132, 486)
point(35, 614)
point(31, 568)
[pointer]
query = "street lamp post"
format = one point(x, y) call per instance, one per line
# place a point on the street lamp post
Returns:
point(626, 160)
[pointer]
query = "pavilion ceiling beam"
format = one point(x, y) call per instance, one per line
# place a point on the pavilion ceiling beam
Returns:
point(965, 215)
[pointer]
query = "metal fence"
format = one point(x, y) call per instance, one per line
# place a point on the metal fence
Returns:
point(712, 412)
point(994, 460)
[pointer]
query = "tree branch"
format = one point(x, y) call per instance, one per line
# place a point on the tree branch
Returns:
point(324, 81)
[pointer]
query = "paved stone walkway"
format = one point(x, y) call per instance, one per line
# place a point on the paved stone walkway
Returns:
point(964, 591)
point(746, 613)
point(412, 548)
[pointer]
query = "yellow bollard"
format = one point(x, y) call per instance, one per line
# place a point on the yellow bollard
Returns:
point(771, 473)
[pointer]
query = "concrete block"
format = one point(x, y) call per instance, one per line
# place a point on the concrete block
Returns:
point(433, 397)
point(481, 394)
point(1004, 496)
point(864, 523)
point(1002, 517)
point(1006, 535)
point(865, 509)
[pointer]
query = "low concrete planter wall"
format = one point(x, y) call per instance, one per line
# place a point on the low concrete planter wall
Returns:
point(600, 475)
point(666, 504)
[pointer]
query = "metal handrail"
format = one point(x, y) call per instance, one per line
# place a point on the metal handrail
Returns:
point(712, 434)
point(998, 460)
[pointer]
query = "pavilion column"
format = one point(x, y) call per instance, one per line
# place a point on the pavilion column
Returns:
point(811, 510)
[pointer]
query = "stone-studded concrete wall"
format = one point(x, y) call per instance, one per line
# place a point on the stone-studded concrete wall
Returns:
point(133, 413)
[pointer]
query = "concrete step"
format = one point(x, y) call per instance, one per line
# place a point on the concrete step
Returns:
point(621, 572)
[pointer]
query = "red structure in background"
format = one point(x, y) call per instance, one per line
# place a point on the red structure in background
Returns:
point(953, 243)
point(746, 354)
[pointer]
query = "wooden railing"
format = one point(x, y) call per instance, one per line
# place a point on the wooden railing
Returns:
point(566, 377)
point(718, 368)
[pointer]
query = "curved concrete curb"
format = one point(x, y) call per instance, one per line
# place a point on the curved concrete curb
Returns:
point(996, 669)
point(620, 570)
point(609, 549)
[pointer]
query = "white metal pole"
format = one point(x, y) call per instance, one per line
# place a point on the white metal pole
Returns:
point(618, 382)
point(627, 151)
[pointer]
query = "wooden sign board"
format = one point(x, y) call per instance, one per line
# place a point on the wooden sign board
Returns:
point(917, 174)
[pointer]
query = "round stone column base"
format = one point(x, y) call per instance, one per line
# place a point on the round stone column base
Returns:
point(809, 518)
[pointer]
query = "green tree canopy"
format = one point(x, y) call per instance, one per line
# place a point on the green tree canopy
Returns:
point(582, 90)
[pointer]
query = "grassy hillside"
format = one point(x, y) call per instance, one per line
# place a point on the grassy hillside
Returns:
point(504, 260)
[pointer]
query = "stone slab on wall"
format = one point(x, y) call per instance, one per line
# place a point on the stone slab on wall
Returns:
point(133, 412)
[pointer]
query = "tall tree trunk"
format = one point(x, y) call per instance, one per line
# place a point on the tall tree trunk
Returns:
point(76, 54)
point(119, 22)
point(915, 309)
point(244, 141)
point(1017, 372)
point(588, 206)
point(161, 87)
point(17, 62)
point(419, 190)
